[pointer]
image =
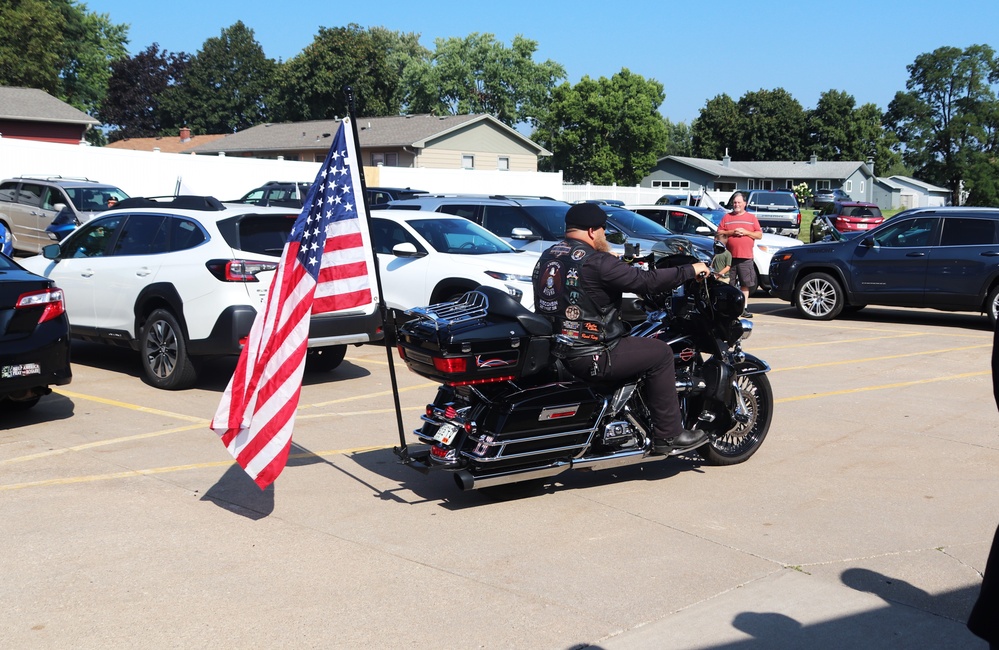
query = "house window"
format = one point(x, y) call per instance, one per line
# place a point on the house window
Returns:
point(672, 185)
point(751, 184)
point(789, 184)
point(504, 164)
point(319, 157)
point(386, 159)
point(721, 186)
point(822, 185)
point(862, 184)
point(766, 184)
point(849, 186)
point(467, 161)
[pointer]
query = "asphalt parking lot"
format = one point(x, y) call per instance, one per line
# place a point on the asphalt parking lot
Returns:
point(864, 521)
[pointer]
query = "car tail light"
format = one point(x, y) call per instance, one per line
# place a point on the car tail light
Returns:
point(50, 300)
point(797, 219)
point(239, 270)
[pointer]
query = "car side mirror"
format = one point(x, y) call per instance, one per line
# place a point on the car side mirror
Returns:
point(58, 207)
point(406, 249)
point(703, 230)
point(525, 234)
point(868, 242)
point(51, 252)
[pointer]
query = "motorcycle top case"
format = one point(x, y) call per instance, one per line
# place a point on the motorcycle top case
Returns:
point(481, 350)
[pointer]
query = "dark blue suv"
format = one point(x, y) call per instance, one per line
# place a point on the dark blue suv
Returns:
point(938, 258)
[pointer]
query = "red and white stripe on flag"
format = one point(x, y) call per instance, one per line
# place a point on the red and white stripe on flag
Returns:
point(325, 266)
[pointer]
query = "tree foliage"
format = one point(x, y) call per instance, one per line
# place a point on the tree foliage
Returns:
point(948, 117)
point(716, 130)
point(59, 47)
point(224, 85)
point(478, 74)
point(679, 139)
point(606, 130)
point(135, 89)
point(839, 130)
point(310, 85)
point(773, 126)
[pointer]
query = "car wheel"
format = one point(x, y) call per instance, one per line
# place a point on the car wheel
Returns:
point(165, 363)
point(819, 297)
point(325, 359)
point(992, 306)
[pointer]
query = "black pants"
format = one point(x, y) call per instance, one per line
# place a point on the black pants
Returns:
point(630, 358)
point(984, 619)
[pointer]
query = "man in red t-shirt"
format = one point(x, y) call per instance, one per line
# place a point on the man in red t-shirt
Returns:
point(742, 230)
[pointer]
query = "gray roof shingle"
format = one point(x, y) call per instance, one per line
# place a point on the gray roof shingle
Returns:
point(34, 105)
point(396, 131)
point(772, 169)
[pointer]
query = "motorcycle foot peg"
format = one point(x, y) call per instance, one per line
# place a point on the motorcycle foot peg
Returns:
point(707, 416)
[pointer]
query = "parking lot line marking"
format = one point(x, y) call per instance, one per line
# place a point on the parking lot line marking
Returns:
point(810, 344)
point(863, 389)
point(126, 405)
point(379, 394)
point(890, 356)
point(93, 478)
point(102, 443)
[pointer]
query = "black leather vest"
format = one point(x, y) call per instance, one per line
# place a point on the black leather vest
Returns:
point(573, 314)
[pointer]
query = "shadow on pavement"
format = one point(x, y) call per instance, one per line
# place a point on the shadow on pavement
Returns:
point(51, 407)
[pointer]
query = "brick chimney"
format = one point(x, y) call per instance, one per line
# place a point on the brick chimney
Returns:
point(185, 134)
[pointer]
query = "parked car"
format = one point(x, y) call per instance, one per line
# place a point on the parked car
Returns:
point(29, 205)
point(684, 220)
point(845, 216)
point(826, 196)
point(429, 257)
point(776, 210)
point(940, 258)
point(34, 337)
point(382, 195)
point(538, 223)
point(180, 280)
point(282, 194)
point(825, 230)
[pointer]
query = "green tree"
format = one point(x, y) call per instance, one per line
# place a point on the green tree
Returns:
point(478, 74)
point(838, 130)
point(773, 126)
point(947, 118)
point(310, 85)
point(132, 108)
point(224, 86)
point(679, 139)
point(606, 130)
point(59, 47)
point(716, 129)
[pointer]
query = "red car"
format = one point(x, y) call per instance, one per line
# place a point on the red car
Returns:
point(846, 216)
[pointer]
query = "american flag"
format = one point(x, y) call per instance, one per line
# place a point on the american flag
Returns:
point(325, 267)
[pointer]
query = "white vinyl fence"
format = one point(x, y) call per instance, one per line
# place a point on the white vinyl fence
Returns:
point(631, 195)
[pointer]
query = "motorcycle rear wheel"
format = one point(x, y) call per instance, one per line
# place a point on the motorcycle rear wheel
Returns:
point(739, 443)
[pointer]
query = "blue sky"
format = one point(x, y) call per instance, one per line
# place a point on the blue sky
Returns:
point(697, 50)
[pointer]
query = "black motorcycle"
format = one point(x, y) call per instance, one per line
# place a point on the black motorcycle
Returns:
point(509, 412)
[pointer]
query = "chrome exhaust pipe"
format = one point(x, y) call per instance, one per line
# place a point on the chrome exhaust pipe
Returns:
point(467, 481)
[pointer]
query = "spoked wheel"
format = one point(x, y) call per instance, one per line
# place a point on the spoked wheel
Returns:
point(165, 363)
point(819, 297)
point(741, 441)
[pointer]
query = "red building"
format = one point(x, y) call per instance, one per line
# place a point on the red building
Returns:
point(32, 114)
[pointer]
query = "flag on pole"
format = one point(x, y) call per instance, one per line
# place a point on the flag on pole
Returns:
point(326, 266)
point(709, 201)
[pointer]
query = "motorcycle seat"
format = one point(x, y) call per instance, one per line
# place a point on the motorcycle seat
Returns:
point(502, 304)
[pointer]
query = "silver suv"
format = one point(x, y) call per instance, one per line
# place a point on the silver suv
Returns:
point(29, 205)
point(776, 210)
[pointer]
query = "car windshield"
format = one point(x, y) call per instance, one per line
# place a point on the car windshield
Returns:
point(634, 224)
point(459, 236)
point(95, 199)
point(551, 217)
point(772, 200)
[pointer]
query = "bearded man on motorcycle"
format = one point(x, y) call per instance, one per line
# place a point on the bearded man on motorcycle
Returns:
point(578, 286)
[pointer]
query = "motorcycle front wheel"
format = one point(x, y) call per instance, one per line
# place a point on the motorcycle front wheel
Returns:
point(741, 441)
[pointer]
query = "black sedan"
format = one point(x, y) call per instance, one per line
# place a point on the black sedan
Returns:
point(34, 337)
point(940, 258)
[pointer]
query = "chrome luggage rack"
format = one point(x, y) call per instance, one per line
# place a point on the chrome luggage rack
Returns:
point(471, 306)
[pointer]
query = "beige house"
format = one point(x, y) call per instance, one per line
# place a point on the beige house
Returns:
point(428, 141)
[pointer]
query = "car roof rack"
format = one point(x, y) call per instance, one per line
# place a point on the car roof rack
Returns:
point(56, 177)
point(181, 202)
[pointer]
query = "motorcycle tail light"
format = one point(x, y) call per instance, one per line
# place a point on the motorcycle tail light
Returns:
point(402, 352)
point(451, 365)
point(430, 410)
point(475, 382)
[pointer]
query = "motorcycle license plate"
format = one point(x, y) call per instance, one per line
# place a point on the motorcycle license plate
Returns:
point(446, 433)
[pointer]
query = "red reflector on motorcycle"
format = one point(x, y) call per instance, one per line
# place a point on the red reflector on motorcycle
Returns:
point(451, 365)
point(562, 414)
point(438, 451)
point(474, 382)
point(402, 352)
point(450, 413)
point(430, 410)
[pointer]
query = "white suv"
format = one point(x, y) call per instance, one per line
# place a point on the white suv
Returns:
point(182, 279)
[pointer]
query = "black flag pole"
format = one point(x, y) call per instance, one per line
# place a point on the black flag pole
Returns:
point(388, 323)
